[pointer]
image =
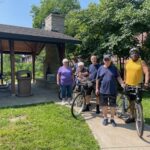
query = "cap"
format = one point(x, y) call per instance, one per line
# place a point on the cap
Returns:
point(107, 56)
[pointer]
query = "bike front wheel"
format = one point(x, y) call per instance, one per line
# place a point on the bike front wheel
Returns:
point(77, 105)
point(139, 119)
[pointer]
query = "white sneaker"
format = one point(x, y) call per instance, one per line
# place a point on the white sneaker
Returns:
point(67, 102)
point(63, 102)
point(70, 101)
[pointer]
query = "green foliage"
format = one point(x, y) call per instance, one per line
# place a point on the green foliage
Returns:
point(19, 65)
point(48, 6)
point(39, 64)
point(111, 25)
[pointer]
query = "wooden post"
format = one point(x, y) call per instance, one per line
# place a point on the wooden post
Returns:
point(1, 51)
point(12, 64)
point(33, 67)
point(2, 66)
point(61, 50)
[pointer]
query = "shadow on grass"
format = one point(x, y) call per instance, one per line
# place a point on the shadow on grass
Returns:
point(146, 94)
point(147, 121)
point(28, 105)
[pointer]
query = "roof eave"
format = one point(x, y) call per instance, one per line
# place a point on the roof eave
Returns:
point(21, 37)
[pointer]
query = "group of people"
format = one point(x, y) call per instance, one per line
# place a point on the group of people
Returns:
point(104, 78)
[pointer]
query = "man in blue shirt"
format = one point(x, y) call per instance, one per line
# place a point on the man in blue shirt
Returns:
point(93, 68)
point(106, 86)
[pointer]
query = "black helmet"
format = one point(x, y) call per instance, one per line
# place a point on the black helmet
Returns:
point(134, 50)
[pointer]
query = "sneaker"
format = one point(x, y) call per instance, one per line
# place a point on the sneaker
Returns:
point(129, 120)
point(113, 123)
point(105, 122)
point(97, 112)
point(69, 101)
point(86, 108)
point(63, 102)
point(66, 102)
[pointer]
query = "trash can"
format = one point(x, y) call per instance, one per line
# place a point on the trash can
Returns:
point(24, 82)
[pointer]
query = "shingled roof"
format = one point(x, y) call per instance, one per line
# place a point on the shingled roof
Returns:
point(27, 38)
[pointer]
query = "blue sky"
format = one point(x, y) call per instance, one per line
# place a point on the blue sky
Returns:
point(17, 12)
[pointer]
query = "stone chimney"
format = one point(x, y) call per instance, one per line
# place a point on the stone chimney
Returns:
point(55, 22)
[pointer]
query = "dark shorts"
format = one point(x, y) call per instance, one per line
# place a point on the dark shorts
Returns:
point(132, 96)
point(90, 89)
point(107, 100)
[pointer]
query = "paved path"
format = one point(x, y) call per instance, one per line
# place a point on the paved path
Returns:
point(122, 137)
point(40, 95)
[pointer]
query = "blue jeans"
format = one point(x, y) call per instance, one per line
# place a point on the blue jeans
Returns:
point(66, 91)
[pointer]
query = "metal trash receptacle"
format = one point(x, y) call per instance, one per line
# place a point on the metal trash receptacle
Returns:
point(24, 82)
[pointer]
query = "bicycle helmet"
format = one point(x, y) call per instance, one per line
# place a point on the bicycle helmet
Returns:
point(134, 51)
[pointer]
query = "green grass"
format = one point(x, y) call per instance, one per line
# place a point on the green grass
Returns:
point(146, 107)
point(43, 127)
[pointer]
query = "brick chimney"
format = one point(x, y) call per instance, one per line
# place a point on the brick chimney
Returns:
point(55, 22)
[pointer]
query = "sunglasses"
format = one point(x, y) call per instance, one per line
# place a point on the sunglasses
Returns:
point(134, 54)
point(106, 59)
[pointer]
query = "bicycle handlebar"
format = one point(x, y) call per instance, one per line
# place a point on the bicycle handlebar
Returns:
point(134, 89)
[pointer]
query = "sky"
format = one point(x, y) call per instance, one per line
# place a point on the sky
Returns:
point(17, 12)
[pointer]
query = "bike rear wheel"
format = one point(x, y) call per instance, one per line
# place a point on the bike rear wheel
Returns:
point(77, 105)
point(139, 120)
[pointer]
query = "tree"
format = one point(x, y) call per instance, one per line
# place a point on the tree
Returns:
point(48, 6)
point(111, 25)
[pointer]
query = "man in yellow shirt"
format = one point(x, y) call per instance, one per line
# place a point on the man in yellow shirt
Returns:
point(136, 72)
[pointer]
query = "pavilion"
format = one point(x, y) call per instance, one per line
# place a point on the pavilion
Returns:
point(29, 41)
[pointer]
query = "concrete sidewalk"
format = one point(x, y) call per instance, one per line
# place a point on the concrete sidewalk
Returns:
point(122, 137)
point(40, 95)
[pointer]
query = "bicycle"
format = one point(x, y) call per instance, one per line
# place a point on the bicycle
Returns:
point(123, 106)
point(79, 100)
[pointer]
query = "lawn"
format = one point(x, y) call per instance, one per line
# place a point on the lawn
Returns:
point(146, 107)
point(43, 127)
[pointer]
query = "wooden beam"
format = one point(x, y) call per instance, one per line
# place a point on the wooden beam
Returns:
point(44, 39)
point(12, 64)
point(21, 53)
